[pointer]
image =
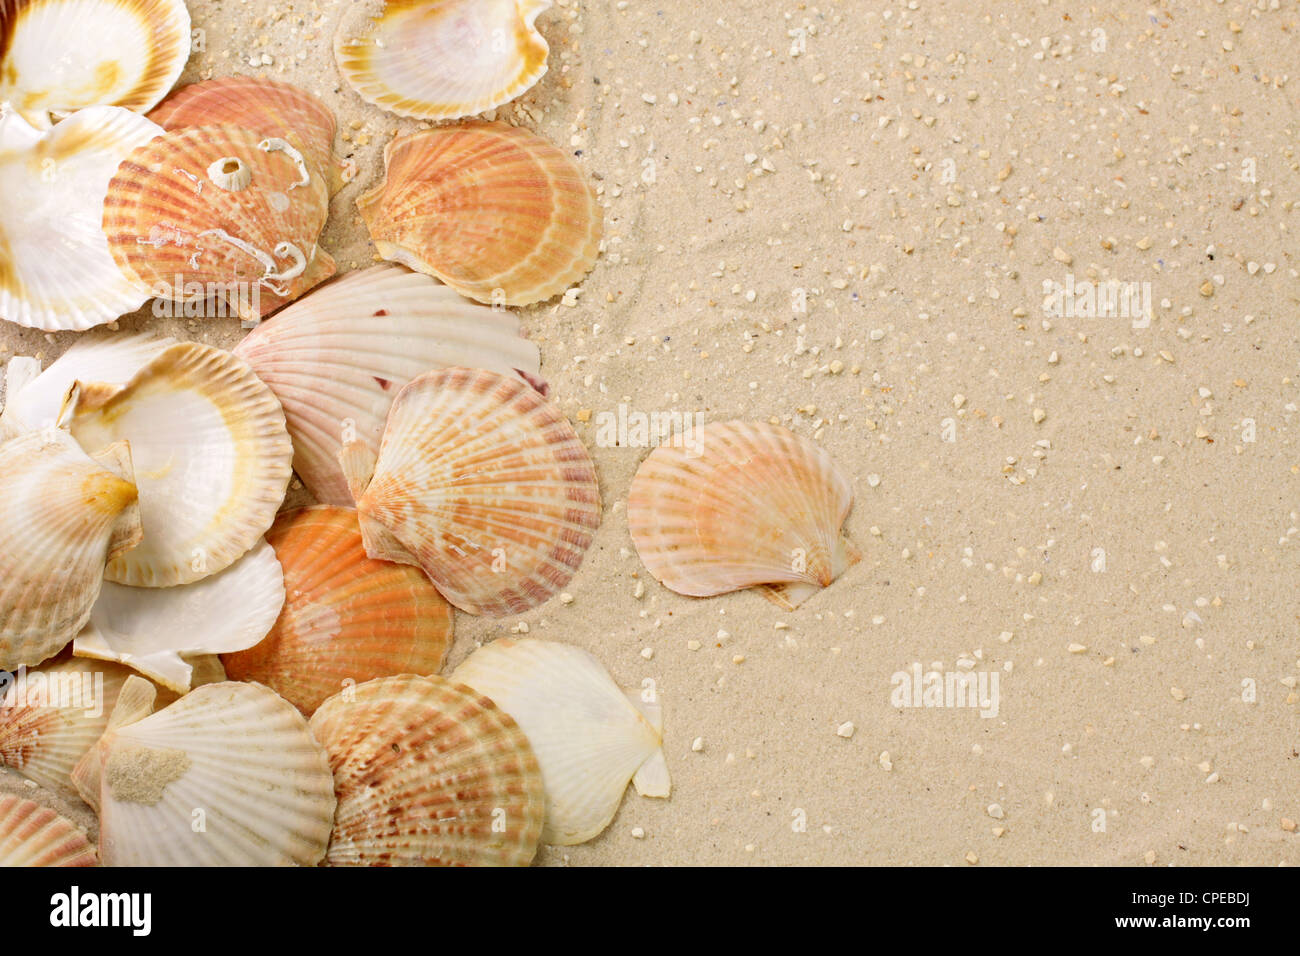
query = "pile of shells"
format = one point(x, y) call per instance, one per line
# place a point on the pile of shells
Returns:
point(279, 668)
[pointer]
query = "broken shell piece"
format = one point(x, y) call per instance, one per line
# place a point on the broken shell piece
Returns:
point(428, 773)
point(495, 211)
point(484, 484)
point(64, 514)
point(254, 249)
point(590, 737)
point(445, 58)
point(734, 505)
point(156, 630)
point(212, 459)
point(338, 356)
point(229, 775)
point(58, 56)
point(56, 272)
point(348, 618)
point(32, 835)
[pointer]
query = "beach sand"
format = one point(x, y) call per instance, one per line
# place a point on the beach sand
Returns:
point(841, 217)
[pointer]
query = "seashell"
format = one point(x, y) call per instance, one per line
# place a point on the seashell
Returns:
point(495, 211)
point(135, 701)
point(590, 737)
point(443, 59)
point(56, 272)
point(428, 773)
point(187, 238)
point(235, 758)
point(337, 357)
point(347, 619)
point(157, 631)
point(269, 108)
point(212, 459)
point(35, 399)
point(50, 718)
point(127, 54)
point(63, 515)
point(737, 504)
point(33, 835)
point(484, 484)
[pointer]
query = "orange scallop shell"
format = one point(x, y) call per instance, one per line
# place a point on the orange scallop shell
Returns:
point(33, 835)
point(495, 211)
point(346, 617)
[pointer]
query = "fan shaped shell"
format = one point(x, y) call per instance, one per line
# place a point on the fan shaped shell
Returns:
point(428, 773)
point(347, 618)
point(32, 835)
point(337, 358)
point(495, 211)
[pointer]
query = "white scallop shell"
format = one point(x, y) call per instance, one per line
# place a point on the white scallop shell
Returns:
point(337, 357)
point(590, 737)
point(155, 630)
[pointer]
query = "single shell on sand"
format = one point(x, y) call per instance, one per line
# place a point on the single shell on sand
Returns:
point(32, 835)
point(428, 773)
point(338, 356)
point(495, 211)
point(50, 718)
point(734, 505)
point(63, 515)
point(442, 59)
point(159, 631)
point(267, 107)
point(212, 460)
point(229, 775)
point(484, 484)
point(590, 737)
point(56, 272)
point(57, 56)
point(347, 619)
point(186, 237)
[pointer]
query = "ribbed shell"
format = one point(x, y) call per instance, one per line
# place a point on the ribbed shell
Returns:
point(337, 358)
point(57, 56)
point(61, 517)
point(738, 504)
point(589, 738)
point(212, 459)
point(54, 715)
point(165, 217)
point(32, 835)
point(443, 59)
point(229, 775)
point(347, 618)
point(56, 272)
point(428, 773)
point(495, 211)
point(486, 486)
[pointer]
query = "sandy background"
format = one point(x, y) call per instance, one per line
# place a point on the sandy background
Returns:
point(919, 169)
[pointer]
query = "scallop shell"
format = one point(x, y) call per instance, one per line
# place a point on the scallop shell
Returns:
point(428, 773)
point(336, 359)
point(33, 835)
point(62, 517)
point(737, 504)
point(590, 737)
point(57, 56)
point(485, 485)
point(267, 107)
point(56, 272)
point(172, 228)
point(495, 211)
point(347, 619)
point(50, 718)
point(229, 775)
point(156, 630)
point(36, 401)
point(442, 59)
point(212, 457)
